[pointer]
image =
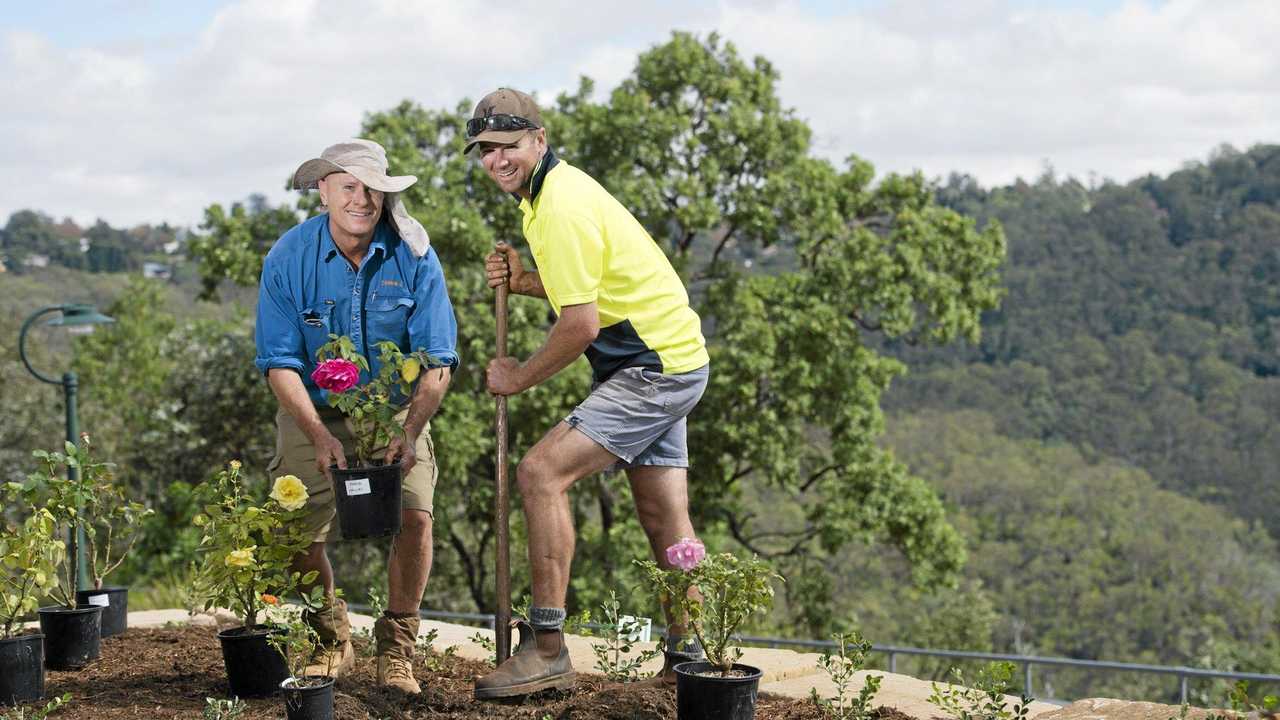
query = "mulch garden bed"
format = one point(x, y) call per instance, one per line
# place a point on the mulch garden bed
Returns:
point(167, 673)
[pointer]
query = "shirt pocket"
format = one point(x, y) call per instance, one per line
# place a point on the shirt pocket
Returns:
point(387, 318)
point(317, 323)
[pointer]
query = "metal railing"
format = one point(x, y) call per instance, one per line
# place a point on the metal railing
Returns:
point(1184, 674)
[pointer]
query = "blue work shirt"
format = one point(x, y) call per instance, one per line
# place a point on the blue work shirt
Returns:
point(309, 290)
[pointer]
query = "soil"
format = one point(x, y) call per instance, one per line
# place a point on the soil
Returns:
point(167, 673)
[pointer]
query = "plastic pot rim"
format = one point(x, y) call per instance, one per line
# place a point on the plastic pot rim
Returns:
point(64, 610)
point(26, 636)
point(686, 668)
point(288, 683)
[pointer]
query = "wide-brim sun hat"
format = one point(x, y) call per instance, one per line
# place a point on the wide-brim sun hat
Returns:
point(367, 162)
point(363, 159)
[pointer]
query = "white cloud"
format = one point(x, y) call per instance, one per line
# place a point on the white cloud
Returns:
point(990, 87)
point(996, 91)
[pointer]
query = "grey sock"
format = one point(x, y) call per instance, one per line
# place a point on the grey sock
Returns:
point(542, 618)
point(684, 645)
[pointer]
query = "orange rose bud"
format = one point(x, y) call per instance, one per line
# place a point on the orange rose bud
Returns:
point(270, 599)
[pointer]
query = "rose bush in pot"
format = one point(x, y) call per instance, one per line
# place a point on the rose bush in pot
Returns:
point(245, 556)
point(306, 697)
point(367, 492)
point(717, 593)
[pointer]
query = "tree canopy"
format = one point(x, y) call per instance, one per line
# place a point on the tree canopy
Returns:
point(697, 144)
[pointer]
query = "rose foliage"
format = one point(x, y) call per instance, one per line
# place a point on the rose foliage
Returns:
point(247, 548)
point(371, 407)
point(726, 591)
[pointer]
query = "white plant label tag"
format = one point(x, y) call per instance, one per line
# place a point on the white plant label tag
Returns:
point(100, 600)
point(359, 486)
point(640, 628)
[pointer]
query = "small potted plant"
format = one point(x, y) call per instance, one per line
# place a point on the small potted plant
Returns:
point(112, 524)
point(92, 505)
point(367, 493)
point(717, 593)
point(29, 558)
point(246, 550)
point(306, 697)
point(67, 485)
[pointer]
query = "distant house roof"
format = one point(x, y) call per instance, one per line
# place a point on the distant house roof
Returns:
point(156, 271)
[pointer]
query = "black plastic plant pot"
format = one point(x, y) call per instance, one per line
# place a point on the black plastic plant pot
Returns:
point(711, 697)
point(21, 669)
point(254, 667)
point(308, 699)
point(368, 500)
point(72, 636)
point(114, 601)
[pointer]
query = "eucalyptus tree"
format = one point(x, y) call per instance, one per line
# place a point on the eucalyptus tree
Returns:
point(697, 143)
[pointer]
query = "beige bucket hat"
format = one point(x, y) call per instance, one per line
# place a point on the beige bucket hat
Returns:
point(367, 162)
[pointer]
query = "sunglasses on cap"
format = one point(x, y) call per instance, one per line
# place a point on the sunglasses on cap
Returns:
point(501, 123)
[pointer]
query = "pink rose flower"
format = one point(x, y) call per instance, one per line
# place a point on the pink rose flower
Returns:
point(686, 554)
point(336, 375)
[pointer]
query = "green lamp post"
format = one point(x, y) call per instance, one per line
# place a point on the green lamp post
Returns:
point(77, 318)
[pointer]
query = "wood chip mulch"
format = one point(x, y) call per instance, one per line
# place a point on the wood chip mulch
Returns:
point(167, 673)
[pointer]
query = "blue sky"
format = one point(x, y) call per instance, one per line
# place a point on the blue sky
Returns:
point(140, 111)
point(109, 22)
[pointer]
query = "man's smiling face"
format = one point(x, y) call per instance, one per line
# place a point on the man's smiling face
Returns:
point(511, 165)
point(353, 207)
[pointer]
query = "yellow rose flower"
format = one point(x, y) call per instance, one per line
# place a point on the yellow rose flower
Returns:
point(289, 491)
point(410, 369)
point(241, 558)
point(235, 464)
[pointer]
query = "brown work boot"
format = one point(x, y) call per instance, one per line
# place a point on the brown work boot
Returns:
point(333, 655)
point(396, 638)
point(529, 669)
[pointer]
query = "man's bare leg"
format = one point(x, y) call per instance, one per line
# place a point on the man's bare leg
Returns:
point(409, 565)
point(396, 632)
point(662, 505)
point(334, 654)
point(562, 457)
point(314, 558)
point(544, 476)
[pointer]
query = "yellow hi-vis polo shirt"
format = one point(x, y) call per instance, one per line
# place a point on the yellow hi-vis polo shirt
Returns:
point(589, 248)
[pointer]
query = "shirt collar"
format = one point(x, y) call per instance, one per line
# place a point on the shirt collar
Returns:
point(378, 243)
point(548, 161)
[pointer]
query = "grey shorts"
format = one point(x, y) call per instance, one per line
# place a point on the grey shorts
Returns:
point(639, 414)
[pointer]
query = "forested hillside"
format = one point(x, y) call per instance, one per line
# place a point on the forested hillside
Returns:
point(1109, 448)
point(1141, 323)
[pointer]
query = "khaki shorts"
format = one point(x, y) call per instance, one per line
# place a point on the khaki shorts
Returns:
point(295, 455)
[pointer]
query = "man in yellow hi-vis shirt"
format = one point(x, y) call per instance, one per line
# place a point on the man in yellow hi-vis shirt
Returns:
point(617, 299)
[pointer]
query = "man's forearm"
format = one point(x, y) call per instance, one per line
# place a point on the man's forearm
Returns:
point(426, 399)
point(292, 395)
point(572, 333)
point(531, 285)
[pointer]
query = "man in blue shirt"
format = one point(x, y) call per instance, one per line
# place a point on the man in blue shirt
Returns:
point(364, 269)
